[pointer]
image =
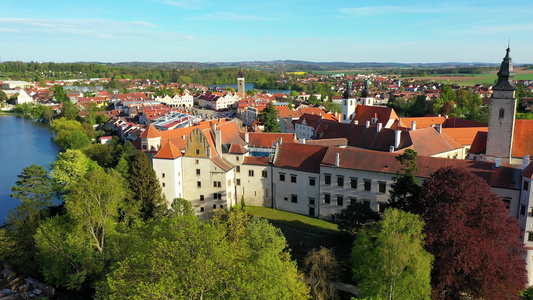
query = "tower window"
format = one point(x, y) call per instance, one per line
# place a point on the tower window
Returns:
point(502, 113)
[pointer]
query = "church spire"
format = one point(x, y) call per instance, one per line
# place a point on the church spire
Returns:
point(241, 73)
point(505, 75)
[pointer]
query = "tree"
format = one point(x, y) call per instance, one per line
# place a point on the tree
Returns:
point(3, 96)
point(268, 117)
point(48, 114)
point(145, 187)
point(405, 189)
point(356, 216)
point(323, 269)
point(183, 258)
point(70, 167)
point(34, 191)
point(180, 207)
point(77, 140)
point(476, 244)
point(389, 259)
point(69, 110)
point(60, 95)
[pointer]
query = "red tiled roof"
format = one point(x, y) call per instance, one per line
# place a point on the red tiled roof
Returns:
point(328, 142)
point(310, 120)
point(528, 171)
point(222, 163)
point(523, 138)
point(464, 136)
point(300, 156)
point(505, 176)
point(266, 140)
point(252, 160)
point(169, 151)
point(150, 132)
point(428, 141)
point(457, 123)
point(237, 149)
point(421, 122)
point(365, 113)
point(479, 145)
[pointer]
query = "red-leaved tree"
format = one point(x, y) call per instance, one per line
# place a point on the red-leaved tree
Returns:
point(476, 244)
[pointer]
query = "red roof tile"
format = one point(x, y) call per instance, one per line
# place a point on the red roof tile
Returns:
point(252, 160)
point(528, 171)
point(300, 156)
point(523, 138)
point(150, 132)
point(365, 113)
point(237, 149)
point(428, 141)
point(169, 151)
point(266, 140)
point(464, 136)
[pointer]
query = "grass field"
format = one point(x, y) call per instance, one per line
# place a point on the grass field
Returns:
point(521, 74)
point(291, 218)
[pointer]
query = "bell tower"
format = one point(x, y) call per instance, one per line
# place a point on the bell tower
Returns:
point(349, 102)
point(502, 114)
point(240, 84)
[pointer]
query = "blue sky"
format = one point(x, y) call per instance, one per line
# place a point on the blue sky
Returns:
point(215, 31)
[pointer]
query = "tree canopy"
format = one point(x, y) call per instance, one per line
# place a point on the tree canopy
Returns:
point(389, 259)
point(476, 244)
point(405, 189)
point(268, 117)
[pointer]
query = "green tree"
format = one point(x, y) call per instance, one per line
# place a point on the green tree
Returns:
point(355, 216)
point(34, 191)
point(268, 117)
point(180, 208)
point(323, 269)
point(145, 187)
point(405, 189)
point(182, 258)
point(70, 167)
point(77, 140)
point(48, 114)
point(60, 95)
point(69, 110)
point(3, 96)
point(389, 259)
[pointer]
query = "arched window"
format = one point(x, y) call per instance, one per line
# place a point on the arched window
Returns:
point(502, 113)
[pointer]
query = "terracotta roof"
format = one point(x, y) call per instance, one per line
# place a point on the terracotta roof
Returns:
point(421, 122)
point(504, 177)
point(479, 145)
point(310, 120)
point(231, 133)
point(150, 132)
point(457, 122)
point(266, 140)
point(252, 160)
point(365, 113)
point(222, 163)
point(523, 138)
point(300, 156)
point(464, 136)
point(328, 142)
point(528, 171)
point(169, 151)
point(237, 149)
point(428, 141)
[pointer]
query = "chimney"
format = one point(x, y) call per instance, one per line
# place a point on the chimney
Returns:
point(367, 124)
point(439, 128)
point(525, 162)
point(303, 141)
point(280, 140)
point(337, 159)
point(498, 161)
point(247, 138)
point(379, 127)
point(413, 125)
point(397, 137)
point(183, 137)
point(218, 141)
point(391, 149)
point(356, 122)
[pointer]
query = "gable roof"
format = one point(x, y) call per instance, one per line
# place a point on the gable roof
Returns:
point(421, 122)
point(237, 149)
point(150, 132)
point(506, 176)
point(464, 136)
point(365, 113)
point(427, 142)
point(523, 138)
point(267, 139)
point(479, 145)
point(300, 156)
point(222, 163)
point(169, 151)
point(253, 160)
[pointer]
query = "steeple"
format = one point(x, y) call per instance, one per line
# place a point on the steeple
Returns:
point(349, 93)
point(240, 84)
point(366, 91)
point(505, 75)
point(241, 74)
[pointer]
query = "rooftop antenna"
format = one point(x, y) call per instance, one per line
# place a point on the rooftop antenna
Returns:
point(509, 43)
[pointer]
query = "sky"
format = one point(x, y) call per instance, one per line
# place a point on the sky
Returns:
point(233, 31)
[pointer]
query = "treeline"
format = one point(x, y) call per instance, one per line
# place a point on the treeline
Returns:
point(416, 72)
point(35, 71)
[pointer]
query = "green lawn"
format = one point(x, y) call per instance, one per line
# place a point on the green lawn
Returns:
point(291, 218)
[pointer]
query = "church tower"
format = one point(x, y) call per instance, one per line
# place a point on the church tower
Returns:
point(502, 114)
point(348, 104)
point(366, 96)
point(240, 84)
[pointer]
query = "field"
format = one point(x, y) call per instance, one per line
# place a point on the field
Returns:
point(521, 74)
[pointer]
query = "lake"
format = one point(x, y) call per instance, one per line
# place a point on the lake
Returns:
point(24, 142)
